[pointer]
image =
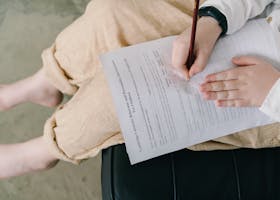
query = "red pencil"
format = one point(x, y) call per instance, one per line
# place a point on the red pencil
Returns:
point(191, 56)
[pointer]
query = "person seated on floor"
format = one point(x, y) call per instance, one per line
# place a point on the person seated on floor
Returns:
point(86, 124)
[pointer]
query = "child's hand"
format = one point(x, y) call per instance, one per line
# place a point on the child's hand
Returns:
point(208, 31)
point(246, 85)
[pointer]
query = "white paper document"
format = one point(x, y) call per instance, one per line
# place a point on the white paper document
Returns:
point(159, 116)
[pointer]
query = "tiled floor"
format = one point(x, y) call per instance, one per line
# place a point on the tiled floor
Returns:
point(26, 28)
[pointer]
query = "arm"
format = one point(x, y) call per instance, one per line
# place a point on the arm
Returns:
point(236, 14)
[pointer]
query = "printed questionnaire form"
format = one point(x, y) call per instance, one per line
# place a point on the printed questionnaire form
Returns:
point(156, 117)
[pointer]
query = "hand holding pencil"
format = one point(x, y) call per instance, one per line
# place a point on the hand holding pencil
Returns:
point(193, 47)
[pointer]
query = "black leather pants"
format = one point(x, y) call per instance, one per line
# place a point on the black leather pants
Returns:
point(242, 174)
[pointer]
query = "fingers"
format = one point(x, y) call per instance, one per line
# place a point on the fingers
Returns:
point(235, 87)
point(225, 93)
point(220, 86)
point(232, 103)
point(179, 56)
point(229, 99)
point(222, 90)
point(199, 64)
point(231, 74)
point(236, 73)
point(246, 60)
point(222, 95)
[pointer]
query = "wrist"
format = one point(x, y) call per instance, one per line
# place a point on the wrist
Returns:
point(211, 11)
point(211, 24)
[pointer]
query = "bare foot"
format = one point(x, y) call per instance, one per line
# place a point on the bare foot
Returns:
point(23, 158)
point(35, 89)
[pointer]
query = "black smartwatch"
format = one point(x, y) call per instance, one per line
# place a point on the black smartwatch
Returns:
point(211, 11)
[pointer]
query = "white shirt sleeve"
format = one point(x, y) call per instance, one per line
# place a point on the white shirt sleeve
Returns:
point(274, 19)
point(238, 12)
point(271, 104)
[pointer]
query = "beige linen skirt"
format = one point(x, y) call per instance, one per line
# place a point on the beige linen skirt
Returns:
point(87, 123)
